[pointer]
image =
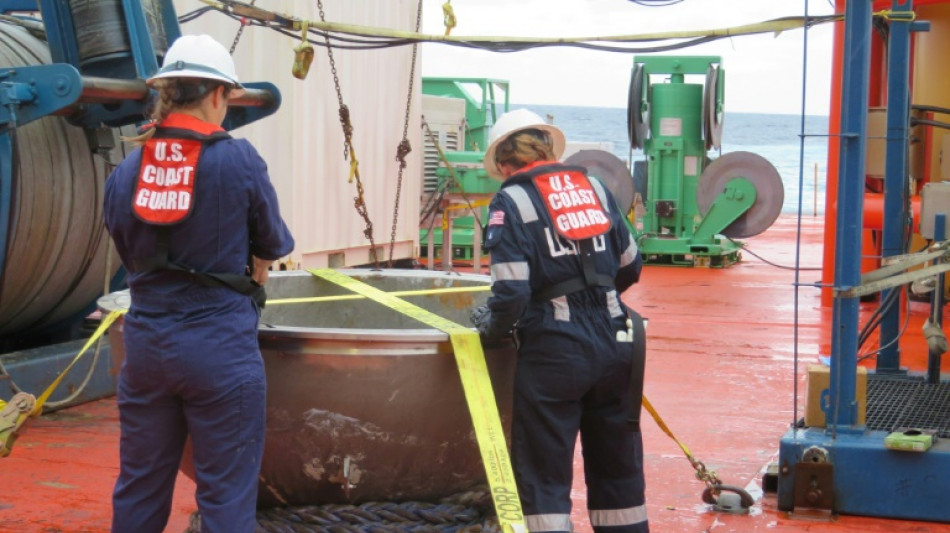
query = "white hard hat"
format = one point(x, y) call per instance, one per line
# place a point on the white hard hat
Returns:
point(511, 123)
point(197, 56)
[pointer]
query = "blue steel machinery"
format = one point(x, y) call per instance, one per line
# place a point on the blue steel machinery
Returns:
point(68, 81)
point(694, 205)
point(854, 465)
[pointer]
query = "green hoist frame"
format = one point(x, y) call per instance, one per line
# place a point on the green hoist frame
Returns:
point(676, 123)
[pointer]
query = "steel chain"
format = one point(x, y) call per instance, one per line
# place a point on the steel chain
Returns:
point(359, 202)
point(404, 147)
point(240, 32)
point(709, 477)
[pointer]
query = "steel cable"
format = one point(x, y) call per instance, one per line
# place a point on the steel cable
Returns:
point(369, 38)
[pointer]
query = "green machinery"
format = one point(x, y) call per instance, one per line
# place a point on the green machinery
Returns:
point(464, 178)
point(693, 206)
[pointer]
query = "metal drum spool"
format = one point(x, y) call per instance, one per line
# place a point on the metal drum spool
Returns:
point(769, 188)
point(103, 38)
point(56, 244)
point(611, 170)
point(364, 403)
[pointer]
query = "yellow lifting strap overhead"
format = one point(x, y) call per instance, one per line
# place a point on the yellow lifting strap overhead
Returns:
point(478, 395)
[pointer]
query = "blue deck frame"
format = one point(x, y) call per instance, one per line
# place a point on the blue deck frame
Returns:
point(867, 478)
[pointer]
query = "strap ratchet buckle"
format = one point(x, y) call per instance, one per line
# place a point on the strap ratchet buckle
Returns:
point(13, 416)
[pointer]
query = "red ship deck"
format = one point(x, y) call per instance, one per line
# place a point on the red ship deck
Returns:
point(720, 370)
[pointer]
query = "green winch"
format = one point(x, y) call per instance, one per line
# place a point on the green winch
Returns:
point(693, 206)
point(461, 179)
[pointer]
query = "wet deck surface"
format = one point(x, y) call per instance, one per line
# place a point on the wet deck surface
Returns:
point(720, 371)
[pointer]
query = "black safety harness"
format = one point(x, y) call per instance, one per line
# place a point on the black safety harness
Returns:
point(589, 277)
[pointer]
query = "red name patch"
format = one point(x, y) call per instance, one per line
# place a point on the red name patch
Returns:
point(164, 192)
point(573, 205)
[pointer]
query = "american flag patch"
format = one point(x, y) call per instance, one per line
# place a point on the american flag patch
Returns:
point(497, 218)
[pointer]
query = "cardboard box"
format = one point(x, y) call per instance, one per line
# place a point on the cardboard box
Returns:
point(819, 377)
point(876, 148)
point(934, 200)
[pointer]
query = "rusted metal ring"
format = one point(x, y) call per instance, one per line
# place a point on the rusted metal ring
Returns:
point(746, 499)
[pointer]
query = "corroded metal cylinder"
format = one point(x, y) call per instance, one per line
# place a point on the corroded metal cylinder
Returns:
point(364, 403)
point(56, 258)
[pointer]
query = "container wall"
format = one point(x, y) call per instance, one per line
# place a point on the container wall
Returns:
point(303, 142)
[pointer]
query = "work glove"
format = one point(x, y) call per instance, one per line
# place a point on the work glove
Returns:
point(481, 318)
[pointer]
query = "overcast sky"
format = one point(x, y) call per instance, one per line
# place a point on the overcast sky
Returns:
point(763, 72)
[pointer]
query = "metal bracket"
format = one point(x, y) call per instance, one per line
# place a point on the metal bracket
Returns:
point(664, 208)
point(348, 476)
point(814, 485)
point(30, 93)
point(737, 197)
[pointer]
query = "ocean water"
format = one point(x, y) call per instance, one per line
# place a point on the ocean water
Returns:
point(774, 137)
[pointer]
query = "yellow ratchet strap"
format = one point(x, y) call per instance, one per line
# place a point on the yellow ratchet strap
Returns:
point(23, 406)
point(478, 394)
point(709, 477)
point(426, 292)
point(659, 421)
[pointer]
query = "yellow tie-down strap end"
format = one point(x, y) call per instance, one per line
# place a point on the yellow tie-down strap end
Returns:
point(23, 406)
point(479, 396)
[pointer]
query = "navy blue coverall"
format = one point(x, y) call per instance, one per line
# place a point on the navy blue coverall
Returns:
point(192, 361)
point(572, 373)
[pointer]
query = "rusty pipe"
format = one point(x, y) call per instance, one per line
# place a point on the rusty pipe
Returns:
point(97, 90)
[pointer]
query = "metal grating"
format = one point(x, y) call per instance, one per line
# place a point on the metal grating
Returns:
point(908, 402)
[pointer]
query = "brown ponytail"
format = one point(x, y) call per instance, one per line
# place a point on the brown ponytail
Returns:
point(173, 94)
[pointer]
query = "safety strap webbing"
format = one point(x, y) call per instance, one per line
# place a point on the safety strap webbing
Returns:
point(479, 396)
point(103, 326)
point(160, 260)
point(10, 434)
